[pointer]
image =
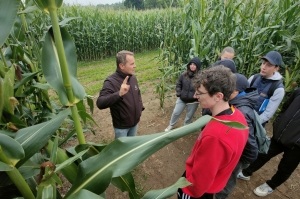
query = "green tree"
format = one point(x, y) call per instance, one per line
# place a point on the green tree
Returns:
point(150, 4)
point(138, 4)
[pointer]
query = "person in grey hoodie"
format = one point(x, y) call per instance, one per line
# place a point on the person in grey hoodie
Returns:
point(268, 74)
point(185, 93)
point(244, 99)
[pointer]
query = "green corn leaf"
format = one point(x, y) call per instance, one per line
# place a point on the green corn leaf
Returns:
point(70, 161)
point(42, 86)
point(90, 102)
point(29, 169)
point(70, 171)
point(66, 20)
point(8, 14)
point(167, 192)
point(48, 4)
point(123, 154)
point(5, 167)
point(8, 133)
point(236, 125)
point(3, 69)
point(29, 9)
point(11, 148)
point(126, 183)
point(35, 137)
point(1, 97)
point(8, 84)
point(85, 194)
point(54, 151)
point(52, 71)
point(25, 78)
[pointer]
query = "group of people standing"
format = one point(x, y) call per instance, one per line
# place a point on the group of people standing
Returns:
point(226, 95)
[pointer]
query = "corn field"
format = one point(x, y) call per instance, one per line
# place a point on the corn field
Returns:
point(41, 42)
point(102, 33)
point(196, 28)
point(252, 28)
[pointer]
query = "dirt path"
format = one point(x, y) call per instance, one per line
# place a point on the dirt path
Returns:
point(164, 168)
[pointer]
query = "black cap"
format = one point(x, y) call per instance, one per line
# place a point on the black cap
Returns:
point(227, 63)
point(241, 82)
point(273, 57)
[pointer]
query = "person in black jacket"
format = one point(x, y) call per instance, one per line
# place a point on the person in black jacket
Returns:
point(185, 93)
point(286, 139)
point(121, 93)
point(244, 99)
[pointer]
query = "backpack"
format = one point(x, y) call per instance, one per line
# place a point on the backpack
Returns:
point(263, 141)
point(273, 87)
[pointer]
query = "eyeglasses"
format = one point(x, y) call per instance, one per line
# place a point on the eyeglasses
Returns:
point(198, 93)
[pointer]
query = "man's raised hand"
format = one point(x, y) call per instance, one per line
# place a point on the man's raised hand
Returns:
point(124, 87)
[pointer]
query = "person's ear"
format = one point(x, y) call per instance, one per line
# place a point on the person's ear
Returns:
point(219, 96)
point(121, 65)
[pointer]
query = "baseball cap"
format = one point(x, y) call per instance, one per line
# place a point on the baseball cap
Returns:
point(241, 82)
point(273, 57)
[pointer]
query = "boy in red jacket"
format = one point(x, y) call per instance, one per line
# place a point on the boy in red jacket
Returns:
point(218, 147)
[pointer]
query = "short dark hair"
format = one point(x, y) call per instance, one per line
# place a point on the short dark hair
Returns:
point(228, 49)
point(216, 79)
point(121, 57)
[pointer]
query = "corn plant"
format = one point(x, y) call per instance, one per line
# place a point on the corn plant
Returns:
point(93, 166)
point(252, 28)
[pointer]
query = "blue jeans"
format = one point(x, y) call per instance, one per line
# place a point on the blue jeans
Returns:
point(179, 107)
point(125, 132)
point(231, 183)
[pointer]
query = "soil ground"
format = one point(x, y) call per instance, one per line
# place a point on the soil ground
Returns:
point(164, 167)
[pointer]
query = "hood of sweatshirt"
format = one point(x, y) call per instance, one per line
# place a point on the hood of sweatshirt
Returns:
point(196, 61)
point(249, 99)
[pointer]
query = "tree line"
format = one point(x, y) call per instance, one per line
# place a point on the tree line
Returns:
point(142, 4)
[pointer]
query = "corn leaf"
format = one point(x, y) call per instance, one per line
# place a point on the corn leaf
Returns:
point(48, 4)
point(85, 194)
point(1, 97)
point(126, 183)
point(167, 192)
point(29, 169)
point(33, 138)
point(232, 124)
point(11, 148)
point(5, 167)
point(8, 84)
point(25, 78)
point(123, 154)
point(52, 71)
point(8, 14)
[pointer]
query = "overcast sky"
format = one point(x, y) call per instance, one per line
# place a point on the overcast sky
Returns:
point(91, 2)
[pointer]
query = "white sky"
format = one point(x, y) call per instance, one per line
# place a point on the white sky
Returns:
point(91, 2)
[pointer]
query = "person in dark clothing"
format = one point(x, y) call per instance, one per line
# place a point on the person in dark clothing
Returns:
point(121, 93)
point(185, 93)
point(266, 106)
point(243, 99)
point(286, 139)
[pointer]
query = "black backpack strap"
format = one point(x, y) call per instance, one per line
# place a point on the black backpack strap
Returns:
point(273, 87)
point(254, 79)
